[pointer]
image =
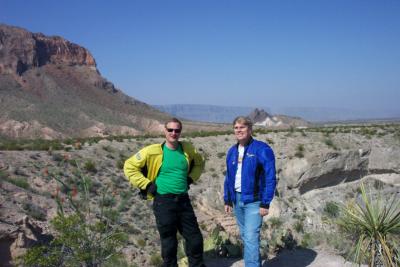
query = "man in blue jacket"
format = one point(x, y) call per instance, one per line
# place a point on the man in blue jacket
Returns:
point(249, 186)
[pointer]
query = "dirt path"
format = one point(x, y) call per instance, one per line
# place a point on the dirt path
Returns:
point(294, 258)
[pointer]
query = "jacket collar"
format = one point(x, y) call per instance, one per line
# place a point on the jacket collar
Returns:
point(248, 143)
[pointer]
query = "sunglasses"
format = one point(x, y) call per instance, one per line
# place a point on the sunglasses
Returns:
point(170, 130)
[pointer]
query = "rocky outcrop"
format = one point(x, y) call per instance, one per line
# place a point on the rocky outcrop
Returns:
point(261, 118)
point(28, 130)
point(21, 50)
point(17, 237)
point(333, 169)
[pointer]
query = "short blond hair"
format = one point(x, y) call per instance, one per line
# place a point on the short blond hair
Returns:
point(176, 120)
point(243, 120)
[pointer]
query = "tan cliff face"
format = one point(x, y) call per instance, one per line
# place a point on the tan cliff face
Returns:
point(21, 50)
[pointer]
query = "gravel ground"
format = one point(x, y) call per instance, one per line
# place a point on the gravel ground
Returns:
point(293, 258)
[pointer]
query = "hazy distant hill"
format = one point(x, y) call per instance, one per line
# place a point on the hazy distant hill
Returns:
point(226, 114)
point(209, 113)
point(326, 114)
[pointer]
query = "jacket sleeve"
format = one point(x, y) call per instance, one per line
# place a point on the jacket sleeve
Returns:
point(133, 169)
point(268, 181)
point(197, 161)
point(227, 196)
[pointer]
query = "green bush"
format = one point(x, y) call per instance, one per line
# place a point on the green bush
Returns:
point(20, 182)
point(221, 154)
point(299, 151)
point(332, 209)
point(299, 227)
point(141, 243)
point(330, 143)
point(34, 211)
point(90, 166)
point(275, 222)
point(57, 157)
point(155, 259)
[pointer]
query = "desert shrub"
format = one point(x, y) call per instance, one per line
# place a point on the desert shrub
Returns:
point(20, 182)
point(108, 201)
point(108, 149)
point(299, 226)
point(141, 243)
point(299, 151)
point(378, 185)
point(121, 161)
point(306, 241)
point(155, 259)
point(57, 157)
point(120, 164)
point(330, 143)
point(331, 209)
point(275, 222)
point(219, 244)
point(221, 154)
point(281, 239)
point(34, 211)
point(90, 166)
point(269, 141)
point(3, 174)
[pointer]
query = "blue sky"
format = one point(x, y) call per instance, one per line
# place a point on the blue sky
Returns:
point(326, 53)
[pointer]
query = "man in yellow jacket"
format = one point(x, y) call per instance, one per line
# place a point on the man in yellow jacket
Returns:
point(165, 171)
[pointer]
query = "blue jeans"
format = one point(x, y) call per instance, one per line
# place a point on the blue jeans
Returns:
point(249, 220)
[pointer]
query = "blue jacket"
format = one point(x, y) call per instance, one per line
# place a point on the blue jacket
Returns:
point(258, 174)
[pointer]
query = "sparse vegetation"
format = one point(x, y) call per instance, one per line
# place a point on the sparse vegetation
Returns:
point(299, 151)
point(221, 155)
point(275, 222)
point(311, 226)
point(155, 259)
point(331, 209)
point(83, 238)
point(34, 211)
point(20, 182)
point(90, 166)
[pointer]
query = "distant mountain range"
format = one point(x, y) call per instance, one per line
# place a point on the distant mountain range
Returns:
point(205, 113)
point(226, 114)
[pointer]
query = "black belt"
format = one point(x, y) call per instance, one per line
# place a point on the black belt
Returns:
point(174, 196)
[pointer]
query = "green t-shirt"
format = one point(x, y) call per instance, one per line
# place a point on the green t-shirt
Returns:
point(172, 178)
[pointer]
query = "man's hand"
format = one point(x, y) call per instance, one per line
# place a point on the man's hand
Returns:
point(228, 208)
point(264, 211)
point(151, 188)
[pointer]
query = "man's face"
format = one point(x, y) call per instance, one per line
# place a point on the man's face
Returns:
point(242, 132)
point(172, 132)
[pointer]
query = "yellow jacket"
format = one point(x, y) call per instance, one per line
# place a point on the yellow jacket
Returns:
point(143, 167)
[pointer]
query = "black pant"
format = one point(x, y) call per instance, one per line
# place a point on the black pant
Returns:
point(175, 213)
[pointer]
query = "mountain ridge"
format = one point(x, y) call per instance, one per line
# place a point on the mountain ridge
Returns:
point(226, 114)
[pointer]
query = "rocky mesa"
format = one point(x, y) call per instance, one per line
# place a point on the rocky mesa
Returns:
point(51, 88)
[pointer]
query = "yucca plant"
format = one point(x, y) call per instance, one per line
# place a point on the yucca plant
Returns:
point(374, 225)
